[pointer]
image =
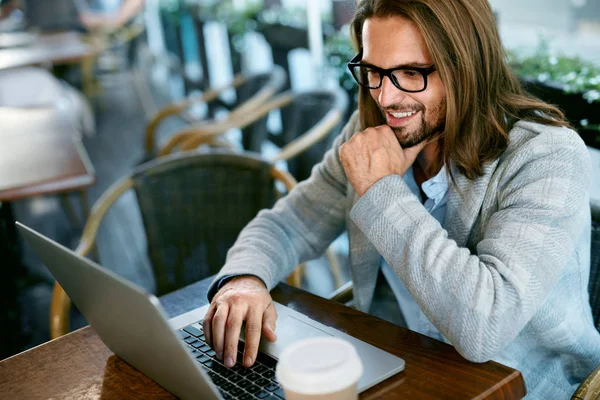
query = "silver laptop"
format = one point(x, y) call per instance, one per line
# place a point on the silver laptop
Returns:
point(133, 324)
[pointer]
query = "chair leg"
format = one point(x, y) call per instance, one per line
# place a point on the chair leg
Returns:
point(295, 278)
point(59, 312)
point(84, 205)
point(68, 209)
point(83, 198)
point(90, 86)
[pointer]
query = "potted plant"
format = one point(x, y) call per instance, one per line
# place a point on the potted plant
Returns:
point(339, 50)
point(571, 83)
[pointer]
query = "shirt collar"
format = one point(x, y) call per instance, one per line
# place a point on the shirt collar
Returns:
point(435, 188)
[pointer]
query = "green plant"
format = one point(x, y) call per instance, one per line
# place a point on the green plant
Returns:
point(590, 127)
point(573, 74)
point(339, 50)
point(238, 21)
point(172, 6)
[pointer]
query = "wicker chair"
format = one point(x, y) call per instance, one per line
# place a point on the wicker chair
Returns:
point(104, 41)
point(594, 285)
point(251, 92)
point(314, 120)
point(590, 388)
point(193, 207)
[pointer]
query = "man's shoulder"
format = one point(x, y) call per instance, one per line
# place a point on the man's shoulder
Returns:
point(527, 137)
point(544, 151)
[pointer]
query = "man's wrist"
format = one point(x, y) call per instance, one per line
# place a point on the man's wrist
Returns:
point(218, 285)
point(242, 278)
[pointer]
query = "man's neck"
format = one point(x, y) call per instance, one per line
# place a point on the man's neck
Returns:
point(428, 161)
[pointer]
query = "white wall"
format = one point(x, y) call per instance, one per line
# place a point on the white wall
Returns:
point(553, 14)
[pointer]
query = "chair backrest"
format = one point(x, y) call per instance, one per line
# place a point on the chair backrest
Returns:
point(251, 91)
point(256, 87)
point(306, 111)
point(594, 284)
point(194, 206)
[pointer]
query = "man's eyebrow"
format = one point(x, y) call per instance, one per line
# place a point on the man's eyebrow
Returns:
point(412, 64)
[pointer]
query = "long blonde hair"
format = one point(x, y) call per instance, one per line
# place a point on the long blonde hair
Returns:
point(484, 97)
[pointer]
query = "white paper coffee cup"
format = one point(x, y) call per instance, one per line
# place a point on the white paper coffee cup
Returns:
point(318, 368)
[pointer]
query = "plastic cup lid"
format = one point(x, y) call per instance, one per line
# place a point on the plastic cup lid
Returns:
point(319, 366)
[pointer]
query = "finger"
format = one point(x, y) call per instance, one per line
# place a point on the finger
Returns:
point(207, 323)
point(386, 133)
point(270, 323)
point(232, 334)
point(218, 329)
point(253, 328)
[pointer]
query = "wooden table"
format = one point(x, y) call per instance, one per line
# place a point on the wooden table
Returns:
point(54, 49)
point(40, 153)
point(51, 48)
point(79, 366)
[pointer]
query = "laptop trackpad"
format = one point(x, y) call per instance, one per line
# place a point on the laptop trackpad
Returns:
point(289, 330)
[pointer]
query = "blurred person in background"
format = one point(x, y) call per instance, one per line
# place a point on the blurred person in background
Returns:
point(468, 195)
point(28, 87)
point(11, 15)
point(83, 15)
point(122, 13)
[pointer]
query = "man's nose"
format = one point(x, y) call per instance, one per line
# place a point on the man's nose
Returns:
point(389, 94)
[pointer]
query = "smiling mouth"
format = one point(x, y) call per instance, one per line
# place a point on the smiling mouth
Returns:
point(403, 114)
point(399, 118)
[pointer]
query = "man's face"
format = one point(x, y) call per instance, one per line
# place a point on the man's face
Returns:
point(394, 42)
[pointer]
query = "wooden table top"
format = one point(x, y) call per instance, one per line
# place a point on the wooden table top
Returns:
point(51, 48)
point(40, 154)
point(79, 366)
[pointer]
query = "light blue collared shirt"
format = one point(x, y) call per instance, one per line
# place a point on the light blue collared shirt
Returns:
point(436, 190)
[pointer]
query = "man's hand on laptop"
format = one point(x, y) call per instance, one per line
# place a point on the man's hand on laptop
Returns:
point(243, 298)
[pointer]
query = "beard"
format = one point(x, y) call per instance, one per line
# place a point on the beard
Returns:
point(427, 128)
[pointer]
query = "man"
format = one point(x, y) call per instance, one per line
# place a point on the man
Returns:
point(109, 20)
point(11, 16)
point(84, 15)
point(474, 194)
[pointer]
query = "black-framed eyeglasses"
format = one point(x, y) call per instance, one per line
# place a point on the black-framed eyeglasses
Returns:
point(407, 79)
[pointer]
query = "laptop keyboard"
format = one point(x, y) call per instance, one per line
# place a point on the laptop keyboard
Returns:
point(239, 382)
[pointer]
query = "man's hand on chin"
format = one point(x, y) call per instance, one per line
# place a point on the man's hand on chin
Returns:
point(373, 154)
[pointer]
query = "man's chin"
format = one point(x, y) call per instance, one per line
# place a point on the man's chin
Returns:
point(408, 140)
point(409, 144)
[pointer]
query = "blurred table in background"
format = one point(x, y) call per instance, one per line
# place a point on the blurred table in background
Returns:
point(40, 154)
point(63, 48)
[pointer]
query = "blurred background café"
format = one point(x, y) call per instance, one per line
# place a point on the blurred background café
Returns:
point(91, 91)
